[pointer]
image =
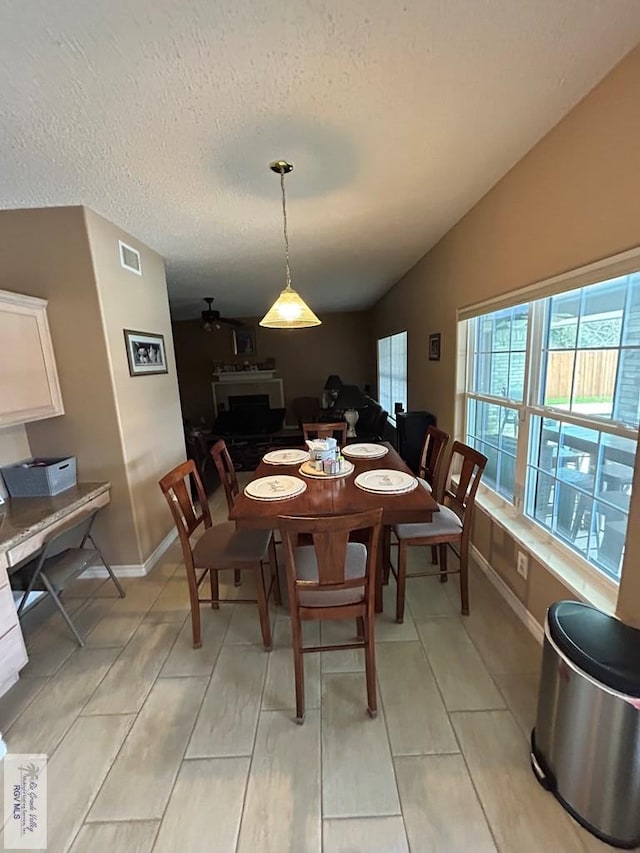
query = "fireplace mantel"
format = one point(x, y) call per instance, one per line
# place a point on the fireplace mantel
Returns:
point(243, 376)
point(229, 388)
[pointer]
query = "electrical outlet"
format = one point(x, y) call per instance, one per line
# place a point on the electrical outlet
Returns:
point(522, 565)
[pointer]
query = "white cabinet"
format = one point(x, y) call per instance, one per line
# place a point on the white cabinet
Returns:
point(29, 386)
point(13, 654)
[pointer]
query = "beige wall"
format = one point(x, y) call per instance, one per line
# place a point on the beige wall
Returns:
point(500, 551)
point(148, 407)
point(14, 446)
point(573, 199)
point(47, 253)
point(343, 344)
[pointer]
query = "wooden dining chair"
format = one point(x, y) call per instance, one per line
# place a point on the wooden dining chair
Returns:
point(228, 477)
point(220, 546)
point(327, 430)
point(450, 526)
point(432, 457)
point(332, 579)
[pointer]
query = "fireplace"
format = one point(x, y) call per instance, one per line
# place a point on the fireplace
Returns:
point(248, 414)
point(245, 386)
point(248, 402)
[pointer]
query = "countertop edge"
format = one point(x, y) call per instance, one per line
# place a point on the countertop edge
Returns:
point(51, 518)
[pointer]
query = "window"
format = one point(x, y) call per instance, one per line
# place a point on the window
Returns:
point(392, 373)
point(552, 399)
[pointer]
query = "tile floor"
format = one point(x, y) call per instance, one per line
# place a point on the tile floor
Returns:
point(156, 747)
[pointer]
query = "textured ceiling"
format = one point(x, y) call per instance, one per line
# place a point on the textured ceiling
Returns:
point(398, 114)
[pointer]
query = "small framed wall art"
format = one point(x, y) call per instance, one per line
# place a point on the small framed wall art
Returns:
point(145, 353)
point(244, 341)
point(434, 347)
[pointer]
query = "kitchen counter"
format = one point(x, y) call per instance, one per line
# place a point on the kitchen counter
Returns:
point(20, 518)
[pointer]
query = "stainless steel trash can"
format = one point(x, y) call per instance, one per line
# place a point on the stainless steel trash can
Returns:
point(585, 747)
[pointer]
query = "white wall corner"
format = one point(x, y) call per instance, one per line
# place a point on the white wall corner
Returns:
point(509, 596)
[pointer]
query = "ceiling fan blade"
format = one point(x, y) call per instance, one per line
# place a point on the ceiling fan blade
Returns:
point(211, 316)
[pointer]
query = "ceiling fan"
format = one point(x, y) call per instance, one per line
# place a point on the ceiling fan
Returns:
point(211, 318)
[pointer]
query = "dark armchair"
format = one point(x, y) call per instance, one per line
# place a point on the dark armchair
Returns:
point(371, 421)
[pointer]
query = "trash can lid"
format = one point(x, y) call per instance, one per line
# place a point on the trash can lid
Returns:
point(599, 644)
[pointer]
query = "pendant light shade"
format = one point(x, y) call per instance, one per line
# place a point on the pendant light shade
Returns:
point(289, 311)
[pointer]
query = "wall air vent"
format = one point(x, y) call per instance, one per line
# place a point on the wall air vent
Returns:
point(130, 258)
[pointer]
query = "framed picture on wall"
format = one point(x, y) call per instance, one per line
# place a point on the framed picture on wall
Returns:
point(145, 353)
point(434, 347)
point(244, 341)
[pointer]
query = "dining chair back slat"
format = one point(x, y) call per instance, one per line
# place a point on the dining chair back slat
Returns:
point(337, 429)
point(432, 457)
point(459, 496)
point(331, 553)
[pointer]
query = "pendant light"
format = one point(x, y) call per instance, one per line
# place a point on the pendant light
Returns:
point(289, 311)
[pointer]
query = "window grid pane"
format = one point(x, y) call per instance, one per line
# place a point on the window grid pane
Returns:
point(500, 347)
point(591, 355)
point(493, 430)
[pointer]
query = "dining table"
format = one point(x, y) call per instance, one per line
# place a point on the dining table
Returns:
point(338, 496)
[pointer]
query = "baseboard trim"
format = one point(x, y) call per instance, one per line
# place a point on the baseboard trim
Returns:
point(134, 570)
point(509, 596)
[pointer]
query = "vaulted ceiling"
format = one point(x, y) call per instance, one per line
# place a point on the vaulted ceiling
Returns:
point(398, 115)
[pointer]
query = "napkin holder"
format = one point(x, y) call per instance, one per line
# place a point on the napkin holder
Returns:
point(322, 448)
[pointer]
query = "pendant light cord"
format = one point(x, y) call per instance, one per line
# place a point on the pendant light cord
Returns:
point(286, 236)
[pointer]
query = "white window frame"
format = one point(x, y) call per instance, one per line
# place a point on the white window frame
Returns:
point(389, 404)
point(542, 543)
